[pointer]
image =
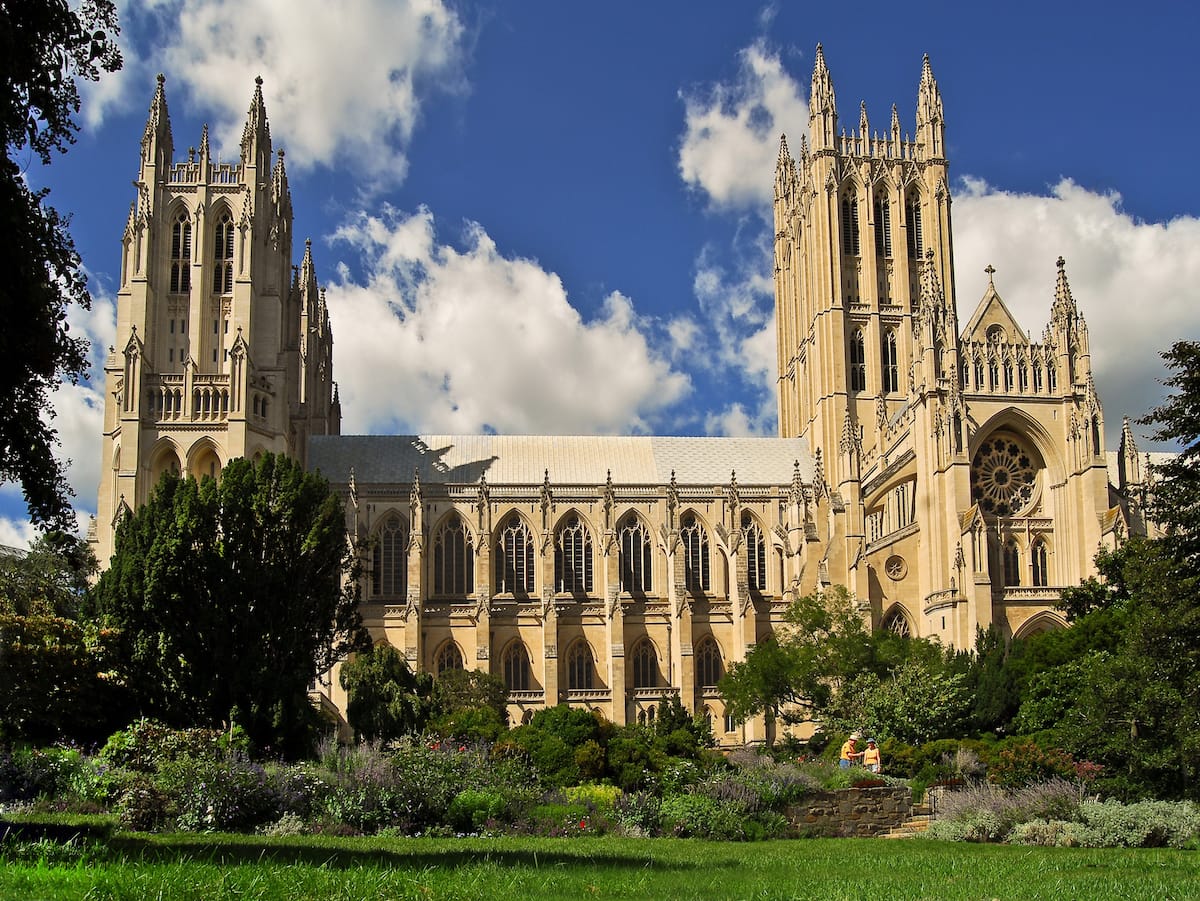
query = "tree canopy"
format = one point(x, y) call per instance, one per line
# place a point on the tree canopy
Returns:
point(230, 597)
point(44, 47)
point(385, 699)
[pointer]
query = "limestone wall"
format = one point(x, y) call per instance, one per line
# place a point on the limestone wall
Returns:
point(851, 812)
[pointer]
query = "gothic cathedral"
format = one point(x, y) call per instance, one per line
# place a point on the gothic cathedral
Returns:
point(951, 479)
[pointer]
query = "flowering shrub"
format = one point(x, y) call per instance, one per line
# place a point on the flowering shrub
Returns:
point(29, 773)
point(1025, 762)
point(219, 795)
point(637, 813)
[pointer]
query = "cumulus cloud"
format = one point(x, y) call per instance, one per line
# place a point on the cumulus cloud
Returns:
point(1133, 280)
point(447, 340)
point(343, 81)
point(731, 131)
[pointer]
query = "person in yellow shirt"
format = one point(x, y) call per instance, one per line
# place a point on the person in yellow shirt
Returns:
point(850, 752)
point(870, 757)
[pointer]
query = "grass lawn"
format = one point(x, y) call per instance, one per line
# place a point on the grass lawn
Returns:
point(212, 867)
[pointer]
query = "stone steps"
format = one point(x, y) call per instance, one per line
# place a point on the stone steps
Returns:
point(912, 827)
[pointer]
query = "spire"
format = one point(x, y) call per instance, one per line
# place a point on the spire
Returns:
point(204, 152)
point(158, 149)
point(895, 126)
point(256, 136)
point(1064, 310)
point(785, 157)
point(822, 106)
point(863, 127)
point(931, 128)
point(785, 169)
point(1130, 466)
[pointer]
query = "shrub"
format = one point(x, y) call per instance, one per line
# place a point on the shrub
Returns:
point(700, 816)
point(600, 798)
point(146, 744)
point(1024, 762)
point(287, 825)
point(637, 813)
point(29, 773)
point(233, 794)
point(987, 812)
point(472, 808)
point(142, 806)
point(1144, 824)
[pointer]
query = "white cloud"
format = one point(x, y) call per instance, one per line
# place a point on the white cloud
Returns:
point(1133, 281)
point(343, 81)
point(731, 137)
point(461, 341)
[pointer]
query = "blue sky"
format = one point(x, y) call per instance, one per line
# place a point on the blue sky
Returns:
point(554, 217)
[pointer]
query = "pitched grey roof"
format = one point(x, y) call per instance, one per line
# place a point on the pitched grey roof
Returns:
point(570, 459)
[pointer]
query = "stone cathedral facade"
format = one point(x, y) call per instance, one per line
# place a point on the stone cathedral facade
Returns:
point(951, 477)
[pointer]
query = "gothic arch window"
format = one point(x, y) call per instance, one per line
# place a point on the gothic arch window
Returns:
point(731, 724)
point(1008, 375)
point(515, 666)
point(181, 254)
point(1012, 563)
point(223, 255)
point(1004, 475)
point(453, 559)
point(389, 559)
point(514, 558)
point(693, 535)
point(1022, 376)
point(634, 556)
point(756, 553)
point(978, 374)
point(993, 374)
point(645, 665)
point(891, 362)
point(897, 623)
point(581, 667)
point(912, 212)
point(709, 667)
point(850, 240)
point(858, 361)
point(573, 557)
point(883, 226)
point(448, 657)
point(1051, 377)
point(1037, 377)
point(1096, 435)
point(1040, 559)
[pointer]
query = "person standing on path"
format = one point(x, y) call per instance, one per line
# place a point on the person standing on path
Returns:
point(850, 751)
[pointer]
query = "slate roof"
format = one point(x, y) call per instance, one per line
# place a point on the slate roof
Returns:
point(570, 459)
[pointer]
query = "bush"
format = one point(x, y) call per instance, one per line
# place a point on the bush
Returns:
point(1024, 762)
point(472, 808)
point(986, 812)
point(637, 813)
point(600, 798)
point(146, 744)
point(233, 794)
point(29, 773)
point(700, 816)
point(142, 806)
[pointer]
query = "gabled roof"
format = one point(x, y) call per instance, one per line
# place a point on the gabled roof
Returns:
point(569, 459)
point(993, 311)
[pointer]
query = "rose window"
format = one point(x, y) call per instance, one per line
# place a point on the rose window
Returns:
point(1003, 476)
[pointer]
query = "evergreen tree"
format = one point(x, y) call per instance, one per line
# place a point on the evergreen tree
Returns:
point(385, 698)
point(230, 597)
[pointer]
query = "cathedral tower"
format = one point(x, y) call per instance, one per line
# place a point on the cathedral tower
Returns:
point(224, 348)
point(969, 465)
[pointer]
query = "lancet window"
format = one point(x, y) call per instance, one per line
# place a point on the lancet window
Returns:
point(850, 240)
point(514, 563)
point(581, 667)
point(645, 665)
point(883, 226)
point(1012, 563)
point(515, 667)
point(181, 255)
point(1040, 560)
point(448, 657)
point(453, 559)
point(389, 570)
point(709, 667)
point(223, 255)
point(573, 557)
point(695, 554)
point(912, 211)
point(858, 361)
point(756, 553)
point(891, 362)
point(635, 556)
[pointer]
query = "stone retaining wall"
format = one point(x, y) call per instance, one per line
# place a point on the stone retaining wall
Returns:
point(850, 812)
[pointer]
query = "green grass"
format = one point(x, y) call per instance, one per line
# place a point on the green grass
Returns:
point(208, 868)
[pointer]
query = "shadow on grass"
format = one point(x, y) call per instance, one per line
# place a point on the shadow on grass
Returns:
point(419, 853)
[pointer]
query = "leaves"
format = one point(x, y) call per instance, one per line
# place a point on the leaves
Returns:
point(231, 597)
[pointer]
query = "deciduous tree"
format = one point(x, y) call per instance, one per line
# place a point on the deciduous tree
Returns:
point(45, 45)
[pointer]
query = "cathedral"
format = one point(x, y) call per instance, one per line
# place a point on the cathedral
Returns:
point(950, 477)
